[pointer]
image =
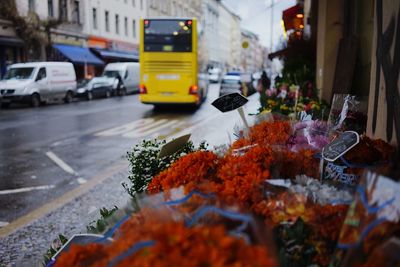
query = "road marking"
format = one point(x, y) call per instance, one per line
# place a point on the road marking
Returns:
point(69, 196)
point(191, 128)
point(125, 127)
point(33, 177)
point(92, 209)
point(60, 163)
point(143, 132)
point(140, 128)
point(81, 180)
point(26, 189)
point(57, 203)
point(2, 224)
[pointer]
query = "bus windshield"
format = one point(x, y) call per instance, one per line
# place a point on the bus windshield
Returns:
point(168, 35)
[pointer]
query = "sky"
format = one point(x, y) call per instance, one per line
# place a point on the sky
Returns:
point(256, 17)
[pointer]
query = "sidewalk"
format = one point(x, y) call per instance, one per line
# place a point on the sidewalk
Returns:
point(24, 243)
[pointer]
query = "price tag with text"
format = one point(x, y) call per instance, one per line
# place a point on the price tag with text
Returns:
point(174, 146)
point(229, 102)
point(339, 146)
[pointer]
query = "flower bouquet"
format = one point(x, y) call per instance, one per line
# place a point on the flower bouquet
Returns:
point(290, 100)
point(371, 231)
point(169, 235)
point(367, 154)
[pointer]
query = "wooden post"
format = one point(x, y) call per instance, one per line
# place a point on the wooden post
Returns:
point(384, 96)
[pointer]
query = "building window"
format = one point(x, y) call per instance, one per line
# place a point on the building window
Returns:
point(126, 26)
point(76, 14)
point(94, 14)
point(141, 4)
point(107, 20)
point(50, 8)
point(63, 10)
point(117, 24)
point(133, 3)
point(31, 5)
point(134, 28)
point(126, 1)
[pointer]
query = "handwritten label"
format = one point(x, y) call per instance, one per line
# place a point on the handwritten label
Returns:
point(336, 173)
point(174, 146)
point(338, 147)
point(229, 102)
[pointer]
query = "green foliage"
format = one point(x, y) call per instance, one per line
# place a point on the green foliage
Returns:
point(293, 247)
point(97, 227)
point(145, 164)
point(55, 246)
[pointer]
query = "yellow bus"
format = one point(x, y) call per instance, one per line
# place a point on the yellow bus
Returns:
point(169, 63)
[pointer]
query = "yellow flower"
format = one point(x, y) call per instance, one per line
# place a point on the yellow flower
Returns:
point(315, 106)
point(267, 110)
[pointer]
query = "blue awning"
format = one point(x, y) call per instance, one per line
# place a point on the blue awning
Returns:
point(117, 54)
point(78, 55)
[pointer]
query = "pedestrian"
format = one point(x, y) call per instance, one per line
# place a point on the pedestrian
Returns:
point(263, 84)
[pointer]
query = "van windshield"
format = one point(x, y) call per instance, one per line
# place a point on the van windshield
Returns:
point(111, 73)
point(19, 74)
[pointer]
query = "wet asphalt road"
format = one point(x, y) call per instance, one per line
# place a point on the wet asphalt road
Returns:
point(50, 150)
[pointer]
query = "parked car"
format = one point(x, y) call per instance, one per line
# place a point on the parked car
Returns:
point(248, 83)
point(38, 82)
point(214, 75)
point(97, 87)
point(128, 75)
point(231, 84)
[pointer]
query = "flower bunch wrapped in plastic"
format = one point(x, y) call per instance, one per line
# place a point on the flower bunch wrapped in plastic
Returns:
point(156, 237)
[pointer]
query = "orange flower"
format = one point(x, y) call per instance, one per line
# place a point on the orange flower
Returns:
point(175, 245)
point(190, 169)
point(272, 133)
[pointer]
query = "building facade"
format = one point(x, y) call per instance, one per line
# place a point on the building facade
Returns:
point(253, 54)
point(45, 22)
point(228, 50)
point(211, 32)
point(11, 46)
point(113, 28)
point(174, 8)
point(100, 31)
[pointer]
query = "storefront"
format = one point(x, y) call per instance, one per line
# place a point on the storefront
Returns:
point(11, 51)
point(86, 64)
point(113, 51)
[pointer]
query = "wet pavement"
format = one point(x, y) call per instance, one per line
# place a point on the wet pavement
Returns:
point(52, 160)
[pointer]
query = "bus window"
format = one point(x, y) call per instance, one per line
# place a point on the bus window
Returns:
point(168, 36)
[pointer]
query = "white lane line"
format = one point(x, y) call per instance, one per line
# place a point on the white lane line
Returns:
point(137, 134)
point(92, 209)
point(175, 129)
point(2, 224)
point(60, 163)
point(125, 127)
point(81, 180)
point(26, 189)
point(191, 128)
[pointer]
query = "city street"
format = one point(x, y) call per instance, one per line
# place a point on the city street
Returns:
point(50, 150)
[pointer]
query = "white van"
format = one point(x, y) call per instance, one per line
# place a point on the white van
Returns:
point(129, 74)
point(38, 82)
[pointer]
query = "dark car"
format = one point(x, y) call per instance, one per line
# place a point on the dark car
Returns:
point(96, 87)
